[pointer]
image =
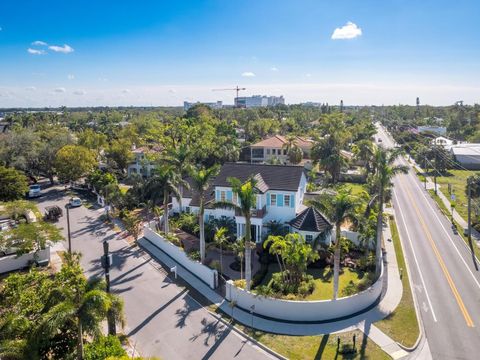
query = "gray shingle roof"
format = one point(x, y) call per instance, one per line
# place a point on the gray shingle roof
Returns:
point(269, 177)
point(311, 219)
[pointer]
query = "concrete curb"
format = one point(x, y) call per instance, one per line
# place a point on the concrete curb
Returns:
point(246, 336)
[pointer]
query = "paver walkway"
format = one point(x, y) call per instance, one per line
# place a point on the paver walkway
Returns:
point(363, 322)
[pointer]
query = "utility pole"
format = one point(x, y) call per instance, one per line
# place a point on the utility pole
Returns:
point(67, 207)
point(106, 262)
point(425, 176)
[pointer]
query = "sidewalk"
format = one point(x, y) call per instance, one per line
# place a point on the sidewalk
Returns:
point(363, 322)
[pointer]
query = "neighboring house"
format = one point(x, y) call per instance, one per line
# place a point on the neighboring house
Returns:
point(142, 163)
point(442, 141)
point(467, 155)
point(439, 130)
point(274, 147)
point(280, 194)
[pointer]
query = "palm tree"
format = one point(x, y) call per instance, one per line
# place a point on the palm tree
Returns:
point(339, 207)
point(180, 158)
point(201, 178)
point(246, 195)
point(363, 151)
point(79, 301)
point(221, 238)
point(294, 152)
point(238, 248)
point(385, 170)
point(166, 180)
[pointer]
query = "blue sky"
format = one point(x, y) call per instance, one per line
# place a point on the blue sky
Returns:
point(163, 52)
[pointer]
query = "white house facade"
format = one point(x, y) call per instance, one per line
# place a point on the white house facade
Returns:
point(280, 194)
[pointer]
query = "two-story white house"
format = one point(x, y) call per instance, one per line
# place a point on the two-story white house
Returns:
point(280, 193)
point(142, 163)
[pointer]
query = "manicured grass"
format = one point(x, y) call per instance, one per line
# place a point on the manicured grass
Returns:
point(321, 346)
point(356, 189)
point(402, 324)
point(458, 181)
point(323, 281)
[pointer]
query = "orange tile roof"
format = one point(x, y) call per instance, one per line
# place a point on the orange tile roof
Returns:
point(277, 141)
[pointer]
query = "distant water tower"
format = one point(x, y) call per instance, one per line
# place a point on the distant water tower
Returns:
point(341, 105)
point(418, 102)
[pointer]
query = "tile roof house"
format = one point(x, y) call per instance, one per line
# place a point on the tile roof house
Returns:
point(273, 146)
point(280, 193)
point(142, 163)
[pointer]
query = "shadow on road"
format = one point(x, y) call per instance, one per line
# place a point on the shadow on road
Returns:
point(155, 313)
point(183, 313)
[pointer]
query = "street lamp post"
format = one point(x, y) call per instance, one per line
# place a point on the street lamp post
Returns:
point(67, 207)
point(106, 265)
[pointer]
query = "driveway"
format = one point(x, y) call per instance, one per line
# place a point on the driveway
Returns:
point(162, 318)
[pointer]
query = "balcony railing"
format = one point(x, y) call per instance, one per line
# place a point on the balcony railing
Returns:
point(256, 213)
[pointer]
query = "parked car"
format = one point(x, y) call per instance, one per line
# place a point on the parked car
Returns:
point(53, 212)
point(75, 202)
point(34, 191)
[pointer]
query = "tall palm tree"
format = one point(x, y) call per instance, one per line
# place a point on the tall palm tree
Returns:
point(363, 151)
point(220, 238)
point(166, 180)
point(78, 301)
point(180, 158)
point(339, 207)
point(385, 170)
point(294, 152)
point(201, 179)
point(246, 195)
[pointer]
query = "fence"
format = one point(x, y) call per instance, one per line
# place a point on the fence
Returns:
point(204, 273)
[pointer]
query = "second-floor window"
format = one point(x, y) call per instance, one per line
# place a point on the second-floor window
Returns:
point(286, 200)
point(273, 200)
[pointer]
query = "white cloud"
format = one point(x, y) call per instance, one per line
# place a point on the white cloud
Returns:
point(39, 43)
point(80, 92)
point(70, 76)
point(348, 31)
point(248, 74)
point(172, 91)
point(126, 91)
point(30, 88)
point(36, 52)
point(274, 68)
point(59, 90)
point(63, 49)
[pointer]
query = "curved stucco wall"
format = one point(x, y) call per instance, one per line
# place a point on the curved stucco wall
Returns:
point(305, 311)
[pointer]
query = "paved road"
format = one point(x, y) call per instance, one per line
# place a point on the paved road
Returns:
point(162, 318)
point(445, 275)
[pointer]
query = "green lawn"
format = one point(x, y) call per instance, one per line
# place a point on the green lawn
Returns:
point(321, 346)
point(458, 180)
point(323, 281)
point(402, 324)
point(353, 187)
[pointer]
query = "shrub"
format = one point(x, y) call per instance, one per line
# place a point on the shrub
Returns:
point(173, 239)
point(240, 283)
point(104, 347)
point(350, 289)
point(215, 265)
point(259, 275)
point(194, 255)
point(187, 222)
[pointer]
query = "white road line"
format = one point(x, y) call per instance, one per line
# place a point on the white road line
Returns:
point(414, 256)
point(448, 235)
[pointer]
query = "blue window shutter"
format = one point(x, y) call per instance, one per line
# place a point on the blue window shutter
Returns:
point(292, 201)
point(268, 199)
point(229, 196)
point(217, 195)
point(279, 200)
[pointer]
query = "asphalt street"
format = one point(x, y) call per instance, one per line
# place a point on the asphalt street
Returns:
point(445, 274)
point(162, 318)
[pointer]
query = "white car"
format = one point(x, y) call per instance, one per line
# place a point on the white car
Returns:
point(75, 202)
point(34, 191)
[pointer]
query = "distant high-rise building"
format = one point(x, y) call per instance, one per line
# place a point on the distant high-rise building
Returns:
point(214, 105)
point(258, 101)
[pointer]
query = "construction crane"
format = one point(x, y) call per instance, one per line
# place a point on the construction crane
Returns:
point(236, 89)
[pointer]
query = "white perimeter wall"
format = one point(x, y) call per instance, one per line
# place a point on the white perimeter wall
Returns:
point(12, 262)
point(203, 272)
point(304, 310)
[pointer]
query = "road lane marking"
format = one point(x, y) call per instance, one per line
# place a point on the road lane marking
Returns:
point(455, 292)
point(449, 237)
point(415, 256)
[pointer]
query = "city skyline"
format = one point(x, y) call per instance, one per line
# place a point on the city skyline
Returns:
point(163, 54)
